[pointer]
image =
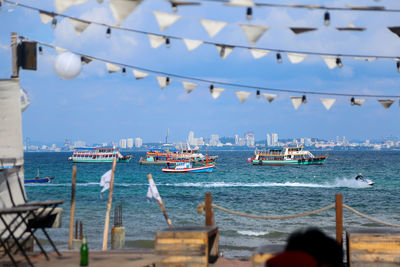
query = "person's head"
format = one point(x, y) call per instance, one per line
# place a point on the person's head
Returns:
point(313, 241)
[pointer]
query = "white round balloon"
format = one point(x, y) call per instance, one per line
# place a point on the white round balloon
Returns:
point(67, 65)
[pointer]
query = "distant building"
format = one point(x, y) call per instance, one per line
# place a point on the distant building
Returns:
point(214, 141)
point(250, 139)
point(236, 139)
point(129, 142)
point(269, 141)
point(138, 142)
point(79, 144)
point(275, 140)
point(191, 138)
point(122, 143)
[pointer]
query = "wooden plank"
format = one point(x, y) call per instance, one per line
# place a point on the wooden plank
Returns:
point(181, 241)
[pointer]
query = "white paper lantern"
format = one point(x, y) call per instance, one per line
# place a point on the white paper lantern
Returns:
point(67, 65)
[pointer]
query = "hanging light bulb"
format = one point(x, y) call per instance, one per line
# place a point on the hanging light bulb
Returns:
point(54, 23)
point(327, 18)
point(167, 80)
point(304, 99)
point(124, 71)
point(279, 57)
point(258, 94)
point(398, 66)
point(339, 62)
point(249, 13)
point(40, 50)
point(352, 101)
point(108, 32)
point(211, 88)
point(167, 42)
point(174, 7)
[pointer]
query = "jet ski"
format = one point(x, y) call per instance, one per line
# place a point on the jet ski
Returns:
point(362, 179)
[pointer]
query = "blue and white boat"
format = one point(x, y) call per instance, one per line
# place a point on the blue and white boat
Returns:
point(182, 167)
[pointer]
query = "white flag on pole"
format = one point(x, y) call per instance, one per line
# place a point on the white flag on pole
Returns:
point(105, 181)
point(152, 192)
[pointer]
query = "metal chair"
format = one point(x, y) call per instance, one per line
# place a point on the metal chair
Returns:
point(39, 218)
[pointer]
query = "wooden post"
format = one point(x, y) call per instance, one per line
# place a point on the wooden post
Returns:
point(164, 210)
point(72, 215)
point(109, 204)
point(209, 210)
point(339, 218)
point(14, 55)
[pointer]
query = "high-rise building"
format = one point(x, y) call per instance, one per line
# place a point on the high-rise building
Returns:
point(191, 140)
point(214, 141)
point(129, 142)
point(274, 137)
point(167, 137)
point(79, 144)
point(122, 143)
point(236, 139)
point(138, 142)
point(269, 143)
point(250, 139)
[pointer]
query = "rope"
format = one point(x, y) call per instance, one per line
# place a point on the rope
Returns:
point(369, 218)
point(201, 207)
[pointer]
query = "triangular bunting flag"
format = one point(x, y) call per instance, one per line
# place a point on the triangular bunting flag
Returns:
point(258, 53)
point(60, 50)
point(386, 103)
point(296, 101)
point(216, 92)
point(112, 67)
point(139, 74)
point(224, 50)
point(296, 57)
point(46, 17)
point(242, 95)
point(165, 19)
point(192, 44)
point(79, 25)
point(62, 5)
point(86, 59)
point(356, 101)
point(245, 3)
point(163, 81)
point(269, 97)
point(121, 9)
point(330, 61)
point(253, 32)
point(189, 87)
point(395, 30)
point(328, 102)
point(156, 40)
point(212, 27)
point(299, 30)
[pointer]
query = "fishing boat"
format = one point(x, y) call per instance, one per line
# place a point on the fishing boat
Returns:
point(155, 157)
point(97, 154)
point(181, 167)
point(39, 180)
point(286, 156)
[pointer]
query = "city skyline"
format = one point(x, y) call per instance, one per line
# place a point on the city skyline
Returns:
point(98, 105)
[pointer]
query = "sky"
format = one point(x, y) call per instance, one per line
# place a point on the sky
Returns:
point(100, 107)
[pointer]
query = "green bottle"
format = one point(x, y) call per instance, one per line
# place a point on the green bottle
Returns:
point(84, 252)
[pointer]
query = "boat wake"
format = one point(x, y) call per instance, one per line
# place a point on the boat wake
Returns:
point(338, 182)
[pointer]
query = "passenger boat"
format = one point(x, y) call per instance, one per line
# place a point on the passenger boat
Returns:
point(155, 157)
point(97, 154)
point(39, 180)
point(161, 157)
point(286, 156)
point(181, 167)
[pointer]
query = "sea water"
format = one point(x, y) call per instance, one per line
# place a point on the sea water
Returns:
point(234, 184)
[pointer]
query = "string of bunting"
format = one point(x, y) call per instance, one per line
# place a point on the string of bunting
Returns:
point(190, 83)
point(252, 32)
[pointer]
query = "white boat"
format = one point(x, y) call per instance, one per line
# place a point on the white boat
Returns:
point(360, 178)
